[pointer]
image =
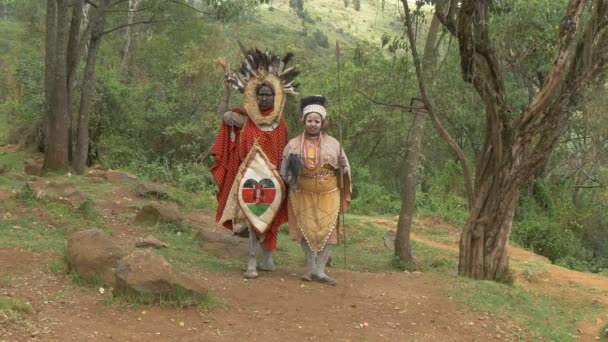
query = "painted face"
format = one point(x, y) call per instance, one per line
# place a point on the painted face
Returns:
point(265, 98)
point(312, 124)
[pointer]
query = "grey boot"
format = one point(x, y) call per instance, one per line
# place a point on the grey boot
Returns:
point(310, 261)
point(267, 263)
point(254, 245)
point(322, 258)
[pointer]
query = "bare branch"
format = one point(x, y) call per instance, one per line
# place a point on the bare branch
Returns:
point(187, 6)
point(568, 31)
point(588, 186)
point(429, 108)
point(446, 12)
point(149, 21)
point(382, 103)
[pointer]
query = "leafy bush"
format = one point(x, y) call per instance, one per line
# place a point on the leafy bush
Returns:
point(440, 198)
point(321, 39)
point(372, 199)
point(558, 234)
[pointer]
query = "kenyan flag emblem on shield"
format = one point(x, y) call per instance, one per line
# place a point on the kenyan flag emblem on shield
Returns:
point(260, 189)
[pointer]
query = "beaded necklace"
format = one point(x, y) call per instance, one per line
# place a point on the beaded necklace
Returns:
point(310, 150)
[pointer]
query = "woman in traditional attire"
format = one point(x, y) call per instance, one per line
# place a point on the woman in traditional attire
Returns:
point(312, 165)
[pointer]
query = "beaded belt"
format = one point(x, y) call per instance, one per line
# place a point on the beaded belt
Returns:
point(319, 175)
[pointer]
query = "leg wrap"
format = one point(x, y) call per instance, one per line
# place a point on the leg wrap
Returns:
point(310, 261)
point(321, 261)
point(254, 245)
point(267, 263)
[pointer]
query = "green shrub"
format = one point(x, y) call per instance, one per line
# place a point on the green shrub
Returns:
point(321, 39)
point(372, 199)
point(25, 195)
point(550, 225)
point(439, 197)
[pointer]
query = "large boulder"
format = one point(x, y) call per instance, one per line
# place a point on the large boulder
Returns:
point(389, 240)
point(56, 191)
point(145, 272)
point(223, 243)
point(152, 190)
point(94, 253)
point(152, 214)
point(33, 167)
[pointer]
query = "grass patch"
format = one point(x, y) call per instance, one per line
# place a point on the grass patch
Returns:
point(11, 162)
point(604, 334)
point(436, 234)
point(198, 200)
point(175, 228)
point(549, 318)
point(73, 219)
point(29, 233)
point(365, 251)
point(6, 280)
point(25, 195)
point(531, 272)
point(186, 255)
point(434, 260)
point(58, 267)
point(92, 283)
point(179, 297)
point(14, 308)
point(92, 187)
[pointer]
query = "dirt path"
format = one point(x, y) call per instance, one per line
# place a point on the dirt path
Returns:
point(277, 306)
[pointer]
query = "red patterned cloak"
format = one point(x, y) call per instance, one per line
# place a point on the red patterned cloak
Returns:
point(228, 157)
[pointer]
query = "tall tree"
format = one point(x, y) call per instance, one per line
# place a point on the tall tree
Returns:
point(126, 50)
point(403, 248)
point(82, 141)
point(56, 149)
point(62, 59)
point(516, 145)
point(73, 56)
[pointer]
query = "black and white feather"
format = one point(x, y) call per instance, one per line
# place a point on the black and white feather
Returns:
point(257, 62)
point(294, 168)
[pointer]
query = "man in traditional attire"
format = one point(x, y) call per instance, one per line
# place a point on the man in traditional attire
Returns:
point(248, 151)
point(313, 164)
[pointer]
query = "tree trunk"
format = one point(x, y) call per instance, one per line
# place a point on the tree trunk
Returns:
point(73, 58)
point(82, 145)
point(403, 249)
point(128, 34)
point(517, 146)
point(56, 153)
point(484, 239)
point(49, 65)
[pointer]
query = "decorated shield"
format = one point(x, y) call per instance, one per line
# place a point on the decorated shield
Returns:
point(260, 189)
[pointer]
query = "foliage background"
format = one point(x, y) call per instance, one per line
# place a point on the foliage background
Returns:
point(156, 116)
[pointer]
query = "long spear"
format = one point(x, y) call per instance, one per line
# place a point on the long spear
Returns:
point(341, 168)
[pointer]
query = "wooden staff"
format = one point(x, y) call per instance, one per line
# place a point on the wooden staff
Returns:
point(341, 168)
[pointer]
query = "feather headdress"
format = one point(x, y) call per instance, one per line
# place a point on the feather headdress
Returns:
point(259, 69)
point(263, 64)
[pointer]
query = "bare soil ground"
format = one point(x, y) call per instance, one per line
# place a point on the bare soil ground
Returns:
point(276, 306)
point(399, 306)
